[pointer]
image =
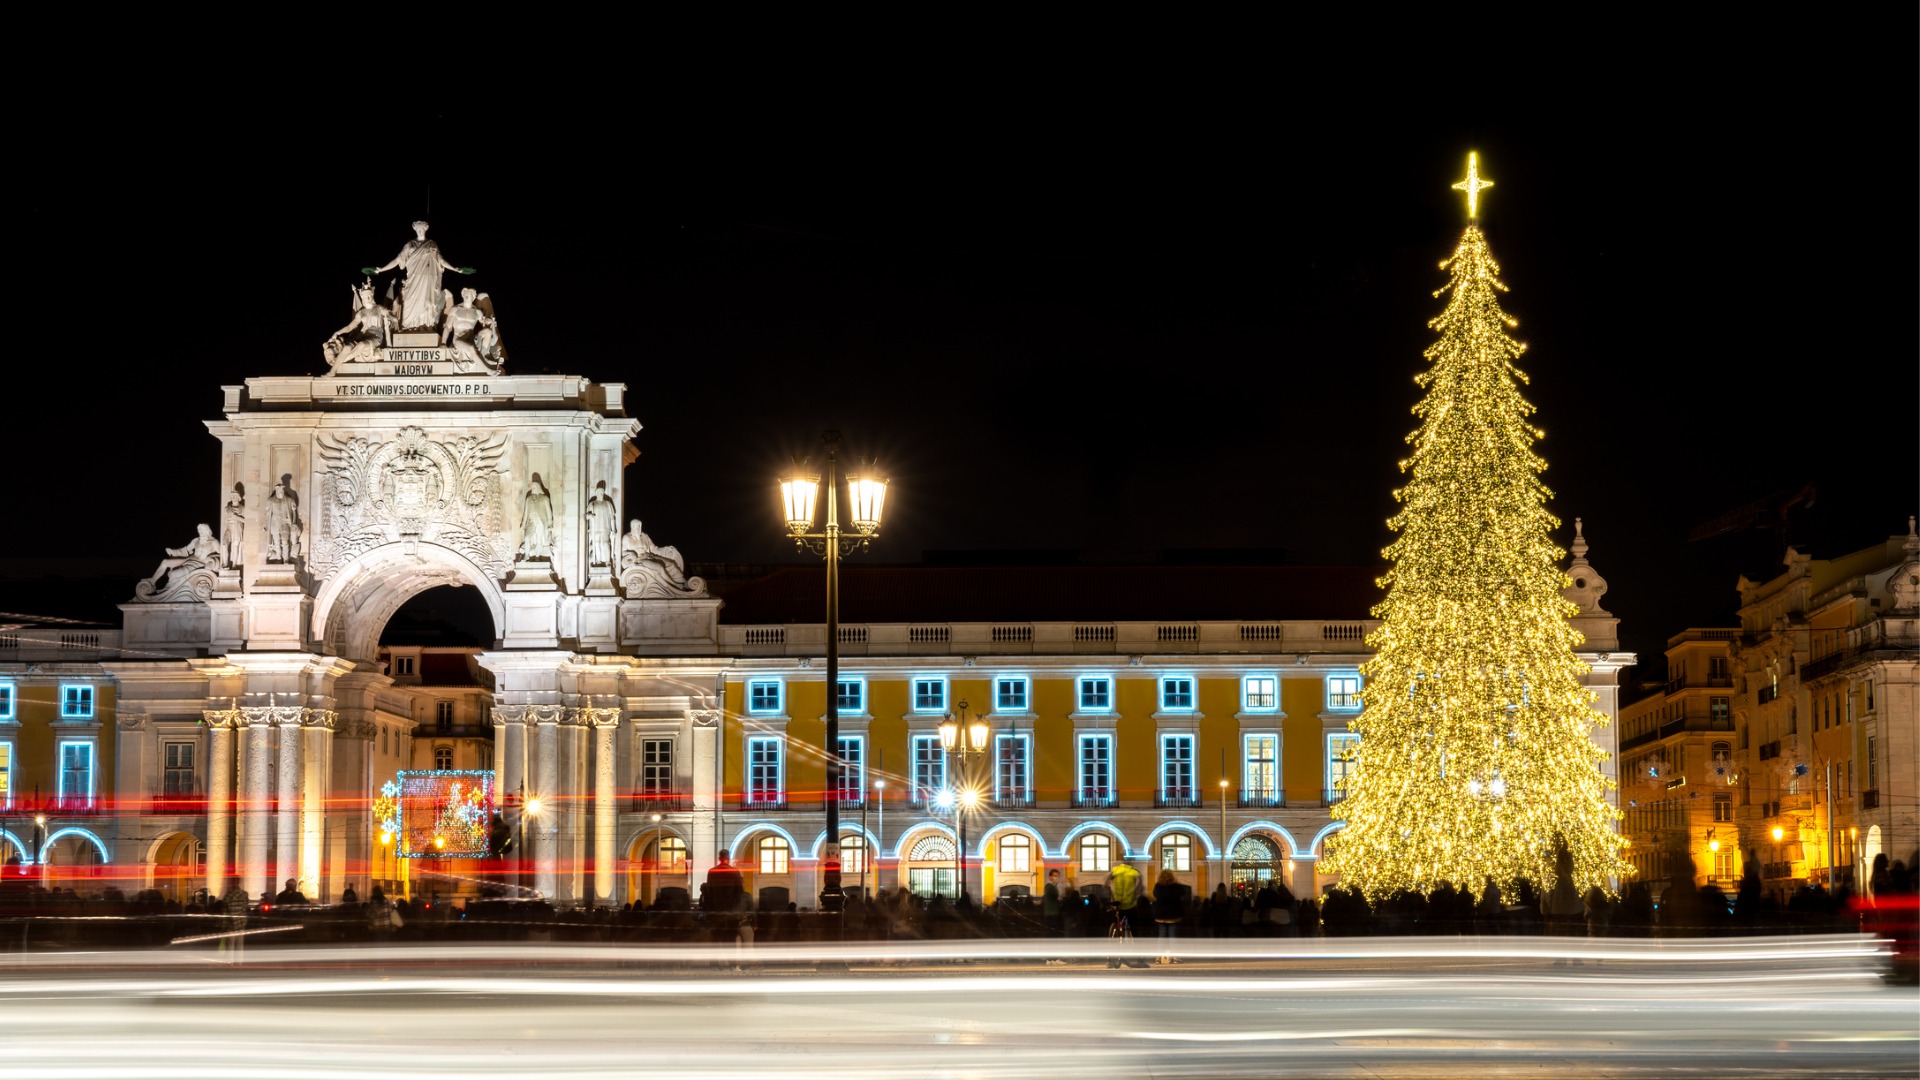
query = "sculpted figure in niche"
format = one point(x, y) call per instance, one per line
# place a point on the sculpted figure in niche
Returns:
point(603, 524)
point(536, 522)
point(370, 328)
point(233, 527)
point(420, 293)
point(470, 329)
point(637, 550)
point(202, 551)
point(283, 525)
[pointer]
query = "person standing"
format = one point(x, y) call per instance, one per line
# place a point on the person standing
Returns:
point(720, 898)
point(1123, 884)
point(1169, 908)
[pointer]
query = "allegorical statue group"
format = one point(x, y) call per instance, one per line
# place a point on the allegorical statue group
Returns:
point(416, 304)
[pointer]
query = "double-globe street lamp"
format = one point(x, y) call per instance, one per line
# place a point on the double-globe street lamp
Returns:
point(962, 737)
point(866, 498)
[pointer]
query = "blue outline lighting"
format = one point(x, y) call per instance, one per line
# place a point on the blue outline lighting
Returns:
point(93, 759)
point(914, 686)
point(1293, 846)
point(753, 831)
point(859, 685)
point(1354, 695)
point(1167, 692)
point(1025, 685)
point(1273, 690)
point(779, 697)
point(1080, 688)
point(8, 695)
point(75, 830)
point(76, 701)
point(779, 770)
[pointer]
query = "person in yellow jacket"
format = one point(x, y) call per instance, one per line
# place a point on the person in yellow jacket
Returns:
point(1123, 883)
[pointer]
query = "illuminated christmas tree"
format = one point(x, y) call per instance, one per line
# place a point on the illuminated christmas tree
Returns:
point(1475, 749)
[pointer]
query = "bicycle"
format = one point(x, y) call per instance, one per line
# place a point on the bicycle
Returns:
point(1120, 933)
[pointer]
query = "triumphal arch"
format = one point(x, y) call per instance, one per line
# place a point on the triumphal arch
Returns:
point(420, 459)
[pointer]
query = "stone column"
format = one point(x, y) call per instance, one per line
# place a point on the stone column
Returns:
point(316, 771)
point(254, 870)
point(605, 804)
point(546, 771)
point(289, 784)
point(220, 770)
point(571, 854)
point(703, 827)
point(510, 751)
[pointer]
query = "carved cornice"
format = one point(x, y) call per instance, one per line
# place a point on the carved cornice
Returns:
point(546, 714)
point(272, 715)
point(509, 714)
point(591, 717)
point(320, 718)
point(225, 719)
point(132, 717)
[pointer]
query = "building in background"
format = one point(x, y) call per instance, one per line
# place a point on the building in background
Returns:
point(1678, 779)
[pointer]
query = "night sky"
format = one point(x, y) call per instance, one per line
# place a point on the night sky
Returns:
point(1125, 314)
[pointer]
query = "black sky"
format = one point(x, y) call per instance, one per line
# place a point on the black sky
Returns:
point(1152, 308)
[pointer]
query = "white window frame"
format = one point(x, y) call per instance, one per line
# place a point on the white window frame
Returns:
point(1338, 739)
point(93, 769)
point(853, 771)
point(1025, 741)
point(1180, 847)
point(653, 766)
point(1169, 686)
point(1249, 788)
point(859, 706)
point(8, 697)
point(769, 844)
point(1091, 843)
point(678, 847)
point(1087, 682)
point(1336, 681)
point(403, 665)
point(853, 854)
point(76, 701)
point(1000, 685)
point(779, 697)
point(915, 694)
point(754, 793)
point(1007, 846)
point(925, 793)
point(192, 768)
point(6, 773)
point(1247, 701)
point(1167, 742)
point(1081, 761)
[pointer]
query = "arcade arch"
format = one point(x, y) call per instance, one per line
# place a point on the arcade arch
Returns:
point(358, 600)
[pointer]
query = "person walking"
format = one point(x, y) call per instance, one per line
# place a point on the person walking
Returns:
point(1169, 908)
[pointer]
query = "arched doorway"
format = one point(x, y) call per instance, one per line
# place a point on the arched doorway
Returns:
point(930, 865)
point(176, 866)
point(74, 858)
point(657, 863)
point(1256, 861)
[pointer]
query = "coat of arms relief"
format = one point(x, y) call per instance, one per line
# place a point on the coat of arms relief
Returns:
point(413, 487)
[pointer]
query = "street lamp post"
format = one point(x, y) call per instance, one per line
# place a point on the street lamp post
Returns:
point(963, 737)
point(1223, 835)
point(529, 808)
point(879, 832)
point(656, 857)
point(867, 496)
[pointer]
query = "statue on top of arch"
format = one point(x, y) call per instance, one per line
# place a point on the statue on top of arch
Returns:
point(421, 315)
point(422, 301)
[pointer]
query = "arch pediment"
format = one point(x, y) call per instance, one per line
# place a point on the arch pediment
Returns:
point(358, 599)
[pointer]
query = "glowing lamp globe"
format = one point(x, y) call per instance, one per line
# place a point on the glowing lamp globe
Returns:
point(799, 493)
point(867, 498)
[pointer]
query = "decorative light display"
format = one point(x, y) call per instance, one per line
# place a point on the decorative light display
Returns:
point(1475, 753)
point(438, 813)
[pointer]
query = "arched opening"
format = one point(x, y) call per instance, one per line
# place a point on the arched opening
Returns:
point(176, 866)
point(657, 871)
point(1256, 861)
point(932, 865)
point(76, 859)
point(353, 609)
point(447, 616)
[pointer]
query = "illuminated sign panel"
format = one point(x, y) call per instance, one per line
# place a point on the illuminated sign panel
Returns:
point(443, 814)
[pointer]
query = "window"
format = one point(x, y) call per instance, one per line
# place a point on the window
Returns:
point(1096, 694)
point(1176, 693)
point(76, 774)
point(403, 665)
point(1261, 782)
point(1176, 852)
point(1340, 751)
point(1717, 667)
point(178, 777)
point(763, 770)
point(1723, 807)
point(6, 774)
point(853, 854)
point(1873, 763)
point(1869, 695)
point(775, 853)
point(656, 768)
point(852, 696)
point(1010, 694)
point(1096, 770)
point(443, 757)
point(443, 714)
point(1016, 854)
point(1176, 768)
point(1723, 866)
point(929, 768)
point(6, 701)
point(76, 701)
point(486, 757)
point(1012, 779)
point(673, 855)
point(1343, 692)
point(1096, 853)
point(853, 773)
point(1720, 710)
point(1260, 693)
point(930, 694)
point(763, 697)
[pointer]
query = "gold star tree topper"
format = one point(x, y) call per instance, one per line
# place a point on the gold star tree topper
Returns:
point(1473, 185)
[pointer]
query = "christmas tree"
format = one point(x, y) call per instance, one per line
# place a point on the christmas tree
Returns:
point(1475, 755)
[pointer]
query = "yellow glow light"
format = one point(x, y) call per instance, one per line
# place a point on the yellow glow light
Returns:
point(1713, 845)
point(1473, 185)
point(533, 804)
point(1779, 833)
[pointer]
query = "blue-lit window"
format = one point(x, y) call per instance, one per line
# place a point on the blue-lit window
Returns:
point(1096, 853)
point(1096, 770)
point(1341, 751)
point(1260, 693)
point(6, 778)
point(1096, 694)
point(853, 768)
point(1013, 762)
point(1010, 693)
point(851, 697)
point(76, 774)
point(1176, 768)
point(929, 768)
point(6, 701)
point(1176, 693)
point(763, 771)
point(1260, 784)
point(930, 694)
point(1343, 692)
point(76, 701)
point(763, 696)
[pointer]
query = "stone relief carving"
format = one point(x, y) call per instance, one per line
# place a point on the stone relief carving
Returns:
point(704, 717)
point(470, 329)
point(221, 718)
point(369, 331)
point(187, 573)
point(536, 522)
point(272, 715)
point(421, 263)
point(373, 493)
point(587, 716)
point(650, 571)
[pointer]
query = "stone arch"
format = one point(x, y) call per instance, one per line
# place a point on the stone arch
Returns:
point(11, 847)
point(1213, 850)
point(904, 843)
point(644, 873)
point(1270, 828)
point(1126, 849)
point(172, 863)
point(356, 602)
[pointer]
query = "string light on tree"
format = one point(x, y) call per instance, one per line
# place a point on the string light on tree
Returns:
point(1476, 753)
